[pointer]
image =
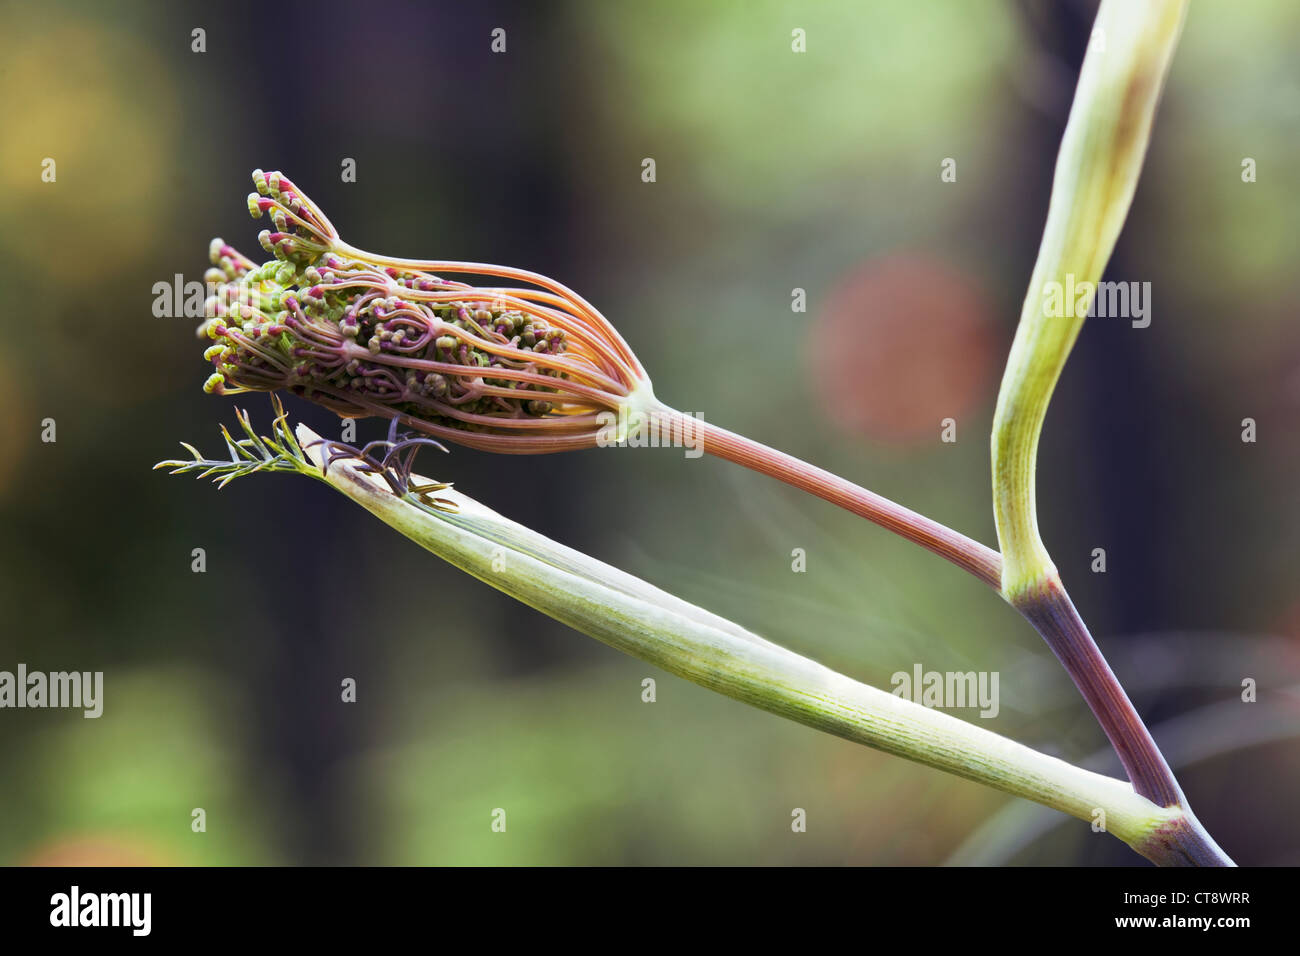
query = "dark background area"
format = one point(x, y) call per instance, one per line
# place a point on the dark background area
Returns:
point(775, 170)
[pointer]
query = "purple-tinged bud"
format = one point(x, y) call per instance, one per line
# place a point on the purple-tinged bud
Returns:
point(326, 295)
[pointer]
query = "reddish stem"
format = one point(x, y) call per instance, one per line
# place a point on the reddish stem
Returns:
point(966, 553)
point(1055, 617)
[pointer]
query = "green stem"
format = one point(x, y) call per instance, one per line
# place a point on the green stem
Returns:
point(1097, 171)
point(649, 624)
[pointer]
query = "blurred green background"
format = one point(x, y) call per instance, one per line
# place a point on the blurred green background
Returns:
point(775, 171)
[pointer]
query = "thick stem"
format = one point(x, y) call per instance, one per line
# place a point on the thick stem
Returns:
point(637, 618)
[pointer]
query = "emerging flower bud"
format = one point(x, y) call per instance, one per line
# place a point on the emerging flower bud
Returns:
point(503, 369)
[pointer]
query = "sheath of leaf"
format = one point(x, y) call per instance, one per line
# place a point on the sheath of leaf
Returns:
point(655, 626)
point(511, 361)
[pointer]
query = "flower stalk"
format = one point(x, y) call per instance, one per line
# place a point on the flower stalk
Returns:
point(976, 559)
